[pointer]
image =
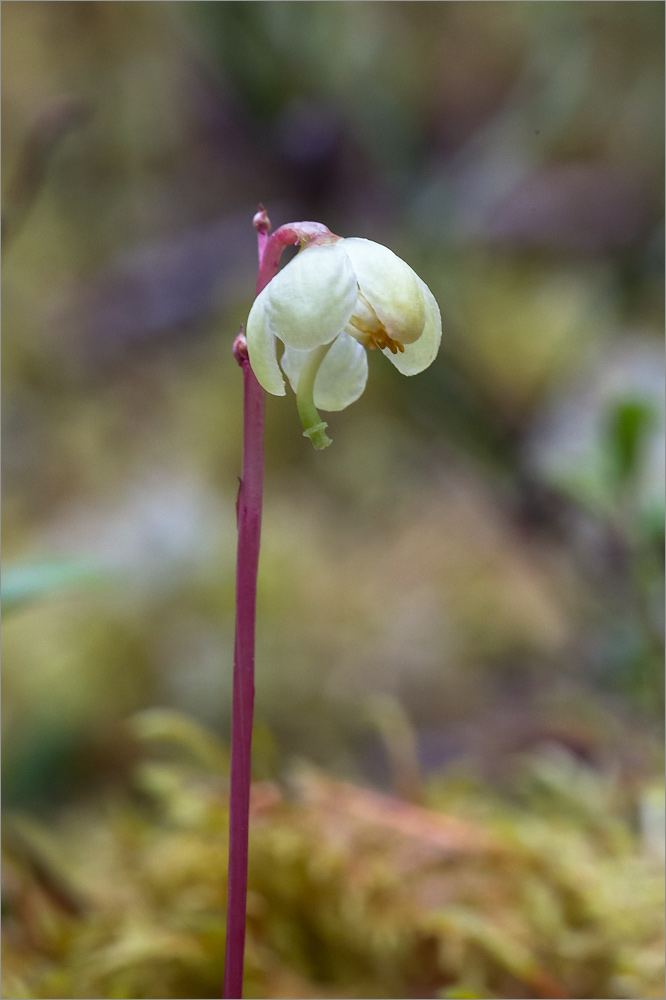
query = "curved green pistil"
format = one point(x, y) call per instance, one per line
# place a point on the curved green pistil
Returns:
point(313, 426)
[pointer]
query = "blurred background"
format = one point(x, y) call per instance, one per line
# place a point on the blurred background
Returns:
point(460, 601)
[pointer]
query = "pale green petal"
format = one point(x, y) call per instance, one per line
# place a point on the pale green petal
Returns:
point(261, 348)
point(391, 287)
point(342, 376)
point(421, 354)
point(310, 301)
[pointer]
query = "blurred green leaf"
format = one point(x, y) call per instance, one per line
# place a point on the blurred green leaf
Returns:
point(629, 423)
point(25, 583)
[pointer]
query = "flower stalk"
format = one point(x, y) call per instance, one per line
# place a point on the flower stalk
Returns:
point(248, 514)
point(336, 299)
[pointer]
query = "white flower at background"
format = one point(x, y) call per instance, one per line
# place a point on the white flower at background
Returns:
point(327, 305)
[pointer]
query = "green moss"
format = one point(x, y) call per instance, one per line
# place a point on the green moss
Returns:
point(351, 893)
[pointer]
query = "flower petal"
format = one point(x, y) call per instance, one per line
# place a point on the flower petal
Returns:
point(391, 287)
point(342, 376)
point(422, 353)
point(309, 302)
point(261, 348)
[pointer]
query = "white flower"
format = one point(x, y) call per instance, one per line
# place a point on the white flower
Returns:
point(328, 304)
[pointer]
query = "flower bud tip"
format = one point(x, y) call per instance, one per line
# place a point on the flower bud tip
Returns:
point(261, 222)
point(240, 348)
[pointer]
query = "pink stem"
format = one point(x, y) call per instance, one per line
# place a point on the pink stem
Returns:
point(294, 232)
point(248, 512)
point(249, 530)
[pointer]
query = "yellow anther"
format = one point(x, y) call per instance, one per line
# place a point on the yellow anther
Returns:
point(382, 340)
point(376, 335)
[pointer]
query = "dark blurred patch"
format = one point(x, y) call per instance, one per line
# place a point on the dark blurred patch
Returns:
point(157, 293)
point(586, 206)
point(309, 138)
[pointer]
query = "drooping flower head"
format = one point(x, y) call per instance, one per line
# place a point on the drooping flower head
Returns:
point(336, 298)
